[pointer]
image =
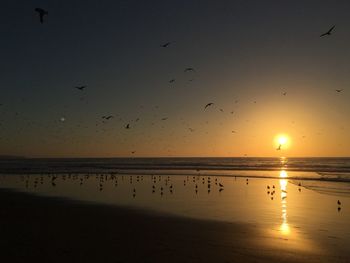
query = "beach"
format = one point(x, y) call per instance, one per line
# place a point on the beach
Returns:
point(35, 229)
point(77, 222)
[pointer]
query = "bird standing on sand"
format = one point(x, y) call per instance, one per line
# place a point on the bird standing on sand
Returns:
point(328, 32)
point(42, 13)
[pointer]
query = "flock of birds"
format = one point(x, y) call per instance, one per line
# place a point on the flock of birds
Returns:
point(100, 124)
point(160, 184)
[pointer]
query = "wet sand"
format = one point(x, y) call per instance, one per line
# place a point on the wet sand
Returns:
point(44, 229)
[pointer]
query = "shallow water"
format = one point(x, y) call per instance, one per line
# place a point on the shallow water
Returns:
point(293, 213)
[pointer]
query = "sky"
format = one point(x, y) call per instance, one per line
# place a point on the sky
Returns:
point(262, 64)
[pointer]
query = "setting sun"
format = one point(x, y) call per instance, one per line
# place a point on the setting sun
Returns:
point(282, 141)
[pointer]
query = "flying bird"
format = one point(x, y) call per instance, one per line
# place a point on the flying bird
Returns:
point(172, 81)
point(328, 32)
point(189, 69)
point(279, 147)
point(164, 119)
point(284, 93)
point(209, 104)
point(80, 87)
point(42, 13)
point(127, 126)
point(338, 90)
point(107, 117)
point(165, 44)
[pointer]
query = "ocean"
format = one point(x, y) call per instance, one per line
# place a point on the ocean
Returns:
point(326, 175)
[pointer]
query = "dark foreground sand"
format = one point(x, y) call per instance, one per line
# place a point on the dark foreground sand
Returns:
point(37, 229)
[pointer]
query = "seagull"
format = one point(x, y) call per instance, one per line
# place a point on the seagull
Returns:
point(328, 32)
point(127, 126)
point(189, 69)
point(279, 147)
point(165, 44)
point(80, 87)
point(209, 104)
point(42, 13)
point(107, 117)
point(338, 90)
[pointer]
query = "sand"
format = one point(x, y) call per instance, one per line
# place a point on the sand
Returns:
point(42, 229)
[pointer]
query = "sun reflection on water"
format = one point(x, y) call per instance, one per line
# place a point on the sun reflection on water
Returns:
point(284, 228)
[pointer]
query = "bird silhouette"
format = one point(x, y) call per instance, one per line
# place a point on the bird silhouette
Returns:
point(127, 126)
point(172, 81)
point(338, 90)
point(107, 117)
point(328, 32)
point(279, 147)
point(284, 93)
point(221, 185)
point(42, 13)
point(339, 203)
point(209, 104)
point(80, 87)
point(189, 70)
point(165, 44)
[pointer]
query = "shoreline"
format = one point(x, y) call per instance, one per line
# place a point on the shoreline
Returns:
point(46, 229)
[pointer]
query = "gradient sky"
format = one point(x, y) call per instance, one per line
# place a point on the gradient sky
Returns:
point(246, 55)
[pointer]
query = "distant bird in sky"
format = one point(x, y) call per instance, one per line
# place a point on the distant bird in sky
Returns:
point(338, 90)
point(172, 81)
point(279, 147)
point(284, 93)
point(189, 69)
point(209, 104)
point(328, 32)
point(165, 44)
point(42, 13)
point(233, 131)
point(164, 119)
point(80, 87)
point(221, 110)
point(127, 126)
point(339, 203)
point(133, 152)
point(107, 117)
